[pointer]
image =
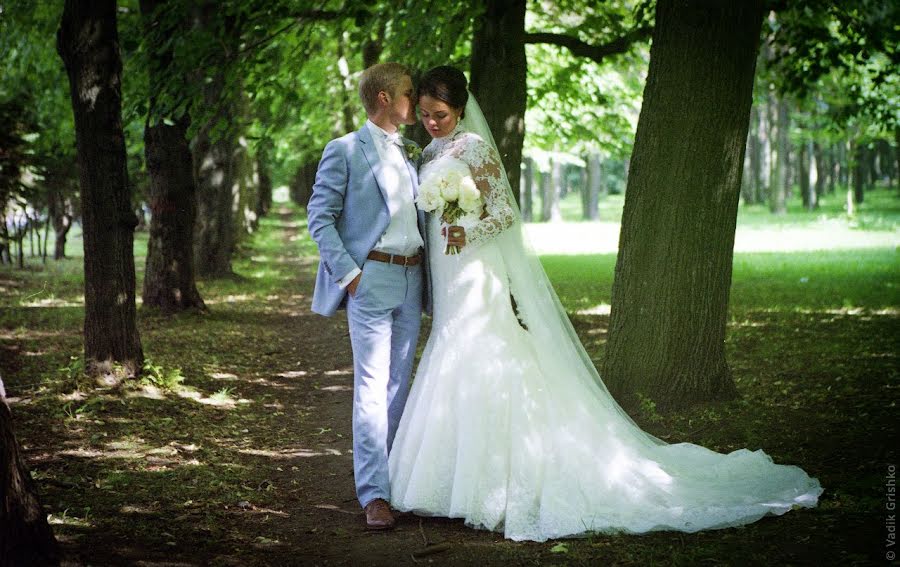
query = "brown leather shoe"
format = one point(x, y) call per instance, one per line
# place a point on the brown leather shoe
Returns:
point(378, 515)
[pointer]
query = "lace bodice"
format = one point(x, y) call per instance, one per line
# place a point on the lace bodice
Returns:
point(485, 165)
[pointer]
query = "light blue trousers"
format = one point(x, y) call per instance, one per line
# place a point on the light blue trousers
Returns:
point(384, 317)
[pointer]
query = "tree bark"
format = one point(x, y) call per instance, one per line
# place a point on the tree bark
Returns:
point(498, 71)
point(821, 170)
point(756, 157)
point(550, 193)
point(25, 535)
point(804, 167)
point(169, 282)
point(88, 43)
point(673, 271)
point(860, 173)
point(264, 192)
point(593, 187)
point(213, 147)
point(528, 190)
point(301, 187)
point(780, 175)
point(169, 278)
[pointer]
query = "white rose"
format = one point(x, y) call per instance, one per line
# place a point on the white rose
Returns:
point(450, 186)
point(469, 195)
point(429, 198)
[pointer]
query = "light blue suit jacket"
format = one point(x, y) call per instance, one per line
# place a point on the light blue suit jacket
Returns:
point(348, 213)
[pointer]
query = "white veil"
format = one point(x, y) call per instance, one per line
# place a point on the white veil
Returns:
point(563, 357)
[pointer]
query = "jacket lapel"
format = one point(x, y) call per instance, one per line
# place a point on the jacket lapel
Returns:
point(371, 153)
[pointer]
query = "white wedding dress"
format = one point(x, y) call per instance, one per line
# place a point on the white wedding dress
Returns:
point(507, 428)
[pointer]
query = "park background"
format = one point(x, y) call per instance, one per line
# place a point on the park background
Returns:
point(173, 399)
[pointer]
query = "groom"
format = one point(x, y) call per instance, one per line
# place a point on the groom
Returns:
point(363, 217)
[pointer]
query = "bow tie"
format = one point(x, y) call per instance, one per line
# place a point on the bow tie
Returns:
point(393, 139)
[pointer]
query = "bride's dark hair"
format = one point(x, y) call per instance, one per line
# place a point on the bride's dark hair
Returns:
point(447, 84)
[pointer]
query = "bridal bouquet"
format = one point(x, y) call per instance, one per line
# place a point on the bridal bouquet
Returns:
point(448, 188)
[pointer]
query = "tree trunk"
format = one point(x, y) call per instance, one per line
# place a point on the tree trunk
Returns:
point(169, 283)
point(860, 173)
point(821, 170)
point(373, 47)
point(886, 162)
point(214, 230)
point(94, 69)
point(753, 174)
point(673, 271)
point(498, 71)
point(781, 175)
point(528, 191)
point(25, 535)
point(264, 192)
point(766, 134)
point(593, 187)
point(301, 187)
point(550, 193)
point(213, 147)
point(169, 279)
point(844, 160)
point(756, 156)
point(804, 166)
point(897, 154)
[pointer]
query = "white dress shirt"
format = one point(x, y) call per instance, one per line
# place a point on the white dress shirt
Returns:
point(402, 235)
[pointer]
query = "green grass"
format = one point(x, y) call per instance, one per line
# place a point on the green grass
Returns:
point(777, 281)
point(880, 211)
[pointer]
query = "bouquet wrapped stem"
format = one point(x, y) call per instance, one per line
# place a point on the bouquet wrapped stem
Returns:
point(450, 216)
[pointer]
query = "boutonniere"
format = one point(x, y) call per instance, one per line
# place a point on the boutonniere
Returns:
point(413, 151)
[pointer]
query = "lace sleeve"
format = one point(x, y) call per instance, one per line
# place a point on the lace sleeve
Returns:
point(499, 212)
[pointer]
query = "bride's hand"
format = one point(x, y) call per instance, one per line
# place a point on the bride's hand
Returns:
point(457, 236)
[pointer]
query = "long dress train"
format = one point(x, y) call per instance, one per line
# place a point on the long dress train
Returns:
point(497, 435)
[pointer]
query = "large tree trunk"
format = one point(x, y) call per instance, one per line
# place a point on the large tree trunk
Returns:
point(88, 43)
point(499, 79)
point(213, 149)
point(25, 535)
point(214, 235)
point(673, 272)
point(169, 274)
point(778, 189)
point(169, 281)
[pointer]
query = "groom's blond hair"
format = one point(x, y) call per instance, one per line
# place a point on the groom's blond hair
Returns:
point(380, 77)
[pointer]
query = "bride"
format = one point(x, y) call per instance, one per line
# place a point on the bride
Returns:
point(508, 425)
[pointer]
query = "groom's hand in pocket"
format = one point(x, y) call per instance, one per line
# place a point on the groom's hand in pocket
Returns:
point(351, 287)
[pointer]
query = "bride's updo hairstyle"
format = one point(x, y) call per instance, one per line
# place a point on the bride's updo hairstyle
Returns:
point(446, 84)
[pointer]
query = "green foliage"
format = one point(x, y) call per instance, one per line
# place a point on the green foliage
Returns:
point(72, 375)
point(156, 375)
point(647, 407)
point(575, 104)
point(842, 54)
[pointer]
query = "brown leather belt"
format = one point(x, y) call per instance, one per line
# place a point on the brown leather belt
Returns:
point(395, 258)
